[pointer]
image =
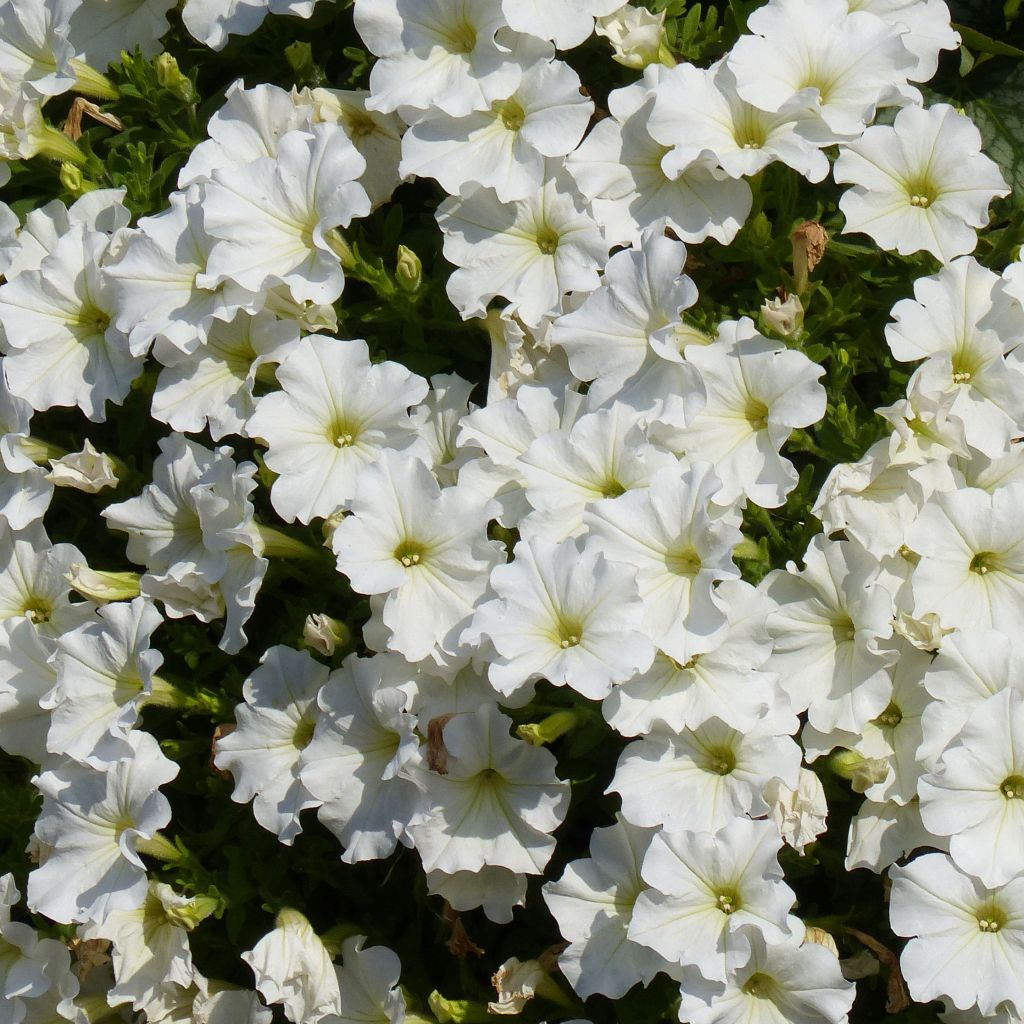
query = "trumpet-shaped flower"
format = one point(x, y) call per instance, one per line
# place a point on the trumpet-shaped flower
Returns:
point(25, 491)
point(966, 939)
point(532, 252)
point(274, 218)
point(709, 893)
point(275, 725)
point(358, 761)
point(496, 803)
point(564, 614)
point(368, 981)
point(816, 55)
point(925, 26)
point(62, 346)
point(424, 550)
point(505, 147)
point(593, 903)
point(336, 413)
point(27, 675)
point(439, 54)
point(921, 183)
point(35, 52)
point(89, 828)
point(567, 23)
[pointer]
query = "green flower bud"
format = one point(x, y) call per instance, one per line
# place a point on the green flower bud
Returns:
point(408, 270)
point(169, 75)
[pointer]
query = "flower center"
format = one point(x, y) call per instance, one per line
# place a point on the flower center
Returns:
point(728, 900)
point(303, 734)
point(991, 918)
point(569, 634)
point(410, 553)
point(358, 124)
point(93, 317)
point(547, 240)
point(983, 562)
point(686, 562)
point(758, 985)
point(843, 630)
point(921, 194)
point(755, 412)
point(38, 611)
point(890, 717)
point(719, 760)
point(342, 434)
point(612, 489)
point(511, 113)
point(461, 37)
point(1013, 787)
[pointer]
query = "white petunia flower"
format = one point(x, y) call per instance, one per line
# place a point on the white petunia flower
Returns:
point(831, 617)
point(273, 218)
point(101, 29)
point(150, 947)
point(89, 829)
point(618, 168)
point(603, 456)
point(213, 386)
point(724, 683)
point(357, 763)
point(963, 324)
point(593, 904)
point(628, 323)
point(816, 55)
point(368, 980)
point(496, 803)
point(779, 983)
point(422, 548)
point(495, 890)
point(336, 414)
point(698, 113)
point(62, 348)
point(505, 147)
point(105, 674)
point(702, 778)
point(212, 21)
point(922, 183)
point(681, 549)
point(33, 584)
point(437, 54)
point(976, 793)
point(160, 280)
point(293, 967)
point(709, 893)
point(971, 570)
point(35, 52)
point(532, 252)
point(247, 127)
point(757, 395)
point(926, 26)
point(275, 725)
point(967, 939)
point(564, 614)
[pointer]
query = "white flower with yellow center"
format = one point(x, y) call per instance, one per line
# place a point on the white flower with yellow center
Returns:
point(335, 414)
point(532, 252)
point(275, 218)
point(971, 571)
point(422, 549)
point(503, 148)
point(437, 54)
point(91, 826)
point(967, 941)
point(565, 613)
point(275, 725)
point(920, 184)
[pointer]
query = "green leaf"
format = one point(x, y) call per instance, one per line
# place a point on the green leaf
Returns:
point(978, 42)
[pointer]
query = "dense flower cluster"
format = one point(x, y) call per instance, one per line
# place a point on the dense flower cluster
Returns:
point(581, 527)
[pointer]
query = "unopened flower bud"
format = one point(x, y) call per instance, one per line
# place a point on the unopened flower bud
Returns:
point(637, 37)
point(820, 937)
point(784, 318)
point(186, 914)
point(456, 1011)
point(88, 470)
point(925, 633)
point(169, 75)
point(102, 586)
point(325, 635)
point(862, 772)
point(72, 178)
point(408, 270)
point(547, 731)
